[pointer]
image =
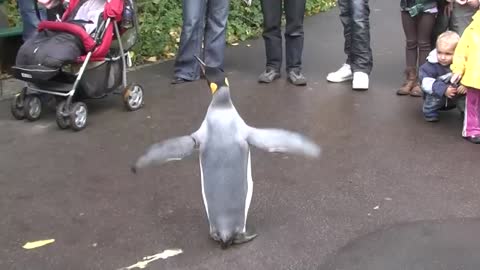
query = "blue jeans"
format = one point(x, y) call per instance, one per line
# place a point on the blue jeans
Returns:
point(29, 17)
point(432, 104)
point(203, 21)
point(355, 17)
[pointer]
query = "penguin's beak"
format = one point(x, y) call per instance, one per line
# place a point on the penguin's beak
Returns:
point(202, 64)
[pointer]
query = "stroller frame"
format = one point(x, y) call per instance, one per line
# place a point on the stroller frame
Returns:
point(74, 114)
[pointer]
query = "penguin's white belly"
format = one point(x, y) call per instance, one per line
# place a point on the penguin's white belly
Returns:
point(227, 185)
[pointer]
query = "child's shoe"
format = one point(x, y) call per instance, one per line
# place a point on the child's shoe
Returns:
point(473, 139)
point(431, 118)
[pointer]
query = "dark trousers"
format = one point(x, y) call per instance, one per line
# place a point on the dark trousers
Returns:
point(272, 34)
point(418, 33)
point(354, 15)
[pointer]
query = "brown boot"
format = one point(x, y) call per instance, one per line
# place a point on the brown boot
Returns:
point(416, 91)
point(411, 77)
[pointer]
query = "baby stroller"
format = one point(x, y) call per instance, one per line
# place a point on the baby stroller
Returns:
point(99, 69)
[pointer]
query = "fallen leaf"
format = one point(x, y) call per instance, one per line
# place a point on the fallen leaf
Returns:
point(152, 59)
point(376, 207)
point(36, 244)
point(235, 44)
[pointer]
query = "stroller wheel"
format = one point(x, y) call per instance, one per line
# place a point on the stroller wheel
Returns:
point(78, 116)
point(17, 107)
point(32, 107)
point(63, 120)
point(133, 97)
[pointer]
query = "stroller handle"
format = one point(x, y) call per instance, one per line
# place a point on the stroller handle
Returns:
point(37, 10)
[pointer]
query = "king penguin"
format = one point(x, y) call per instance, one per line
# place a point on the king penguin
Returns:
point(223, 141)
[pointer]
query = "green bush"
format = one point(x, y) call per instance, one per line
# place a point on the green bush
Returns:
point(12, 12)
point(161, 21)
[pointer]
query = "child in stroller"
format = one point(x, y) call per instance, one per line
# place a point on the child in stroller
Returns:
point(83, 54)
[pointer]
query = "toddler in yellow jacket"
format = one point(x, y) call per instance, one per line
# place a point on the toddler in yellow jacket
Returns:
point(466, 70)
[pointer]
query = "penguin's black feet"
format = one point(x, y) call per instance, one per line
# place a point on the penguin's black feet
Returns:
point(269, 75)
point(244, 238)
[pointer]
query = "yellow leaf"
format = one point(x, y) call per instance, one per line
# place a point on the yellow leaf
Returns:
point(36, 244)
point(152, 59)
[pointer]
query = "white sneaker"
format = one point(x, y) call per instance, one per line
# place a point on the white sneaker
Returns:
point(341, 75)
point(360, 81)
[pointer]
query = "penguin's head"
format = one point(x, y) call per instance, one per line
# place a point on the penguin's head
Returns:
point(215, 76)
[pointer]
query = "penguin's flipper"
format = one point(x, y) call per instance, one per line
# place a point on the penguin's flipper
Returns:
point(168, 150)
point(279, 140)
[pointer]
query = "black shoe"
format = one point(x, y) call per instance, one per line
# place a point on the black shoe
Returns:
point(269, 75)
point(296, 77)
point(178, 80)
point(473, 139)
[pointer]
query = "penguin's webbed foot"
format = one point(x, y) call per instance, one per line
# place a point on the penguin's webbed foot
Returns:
point(244, 238)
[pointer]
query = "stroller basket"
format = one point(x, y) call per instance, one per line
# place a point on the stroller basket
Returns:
point(34, 73)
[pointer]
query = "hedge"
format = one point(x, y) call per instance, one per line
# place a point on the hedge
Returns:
point(161, 20)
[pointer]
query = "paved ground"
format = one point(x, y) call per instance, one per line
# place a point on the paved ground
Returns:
point(382, 165)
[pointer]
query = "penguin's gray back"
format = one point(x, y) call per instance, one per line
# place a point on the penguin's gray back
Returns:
point(224, 161)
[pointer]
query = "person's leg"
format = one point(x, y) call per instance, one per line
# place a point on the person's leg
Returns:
point(272, 36)
point(431, 105)
point(471, 126)
point(344, 73)
point(426, 21)
point(272, 33)
point(294, 38)
point(441, 23)
point(186, 66)
point(294, 35)
point(460, 102)
point(29, 17)
point(361, 52)
point(411, 48)
point(461, 17)
point(345, 7)
point(215, 32)
point(409, 25)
